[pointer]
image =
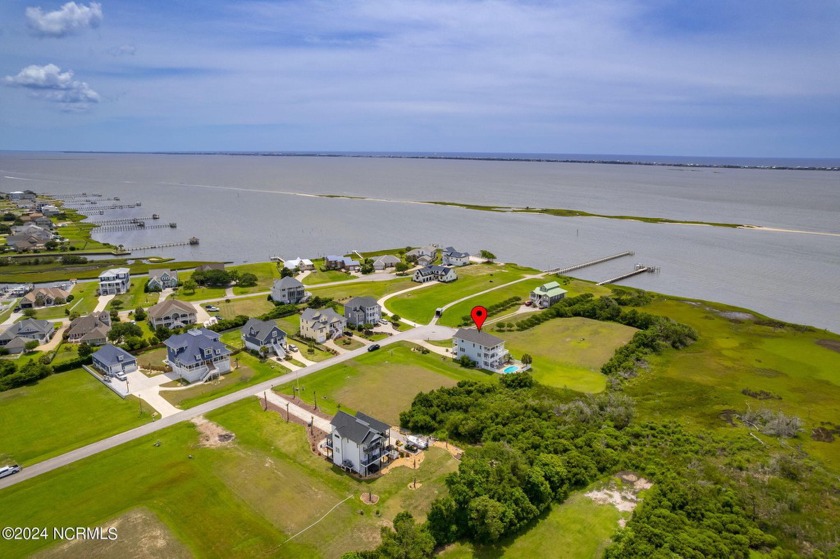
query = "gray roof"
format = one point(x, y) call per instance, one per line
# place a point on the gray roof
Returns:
point(166, 307)
point(191, 345)
point(27, 325)
point(259, 329)
point(112, 355)
point(388, 259)
point(159, 272)
point(321, 315)
point(86, 324)
point(454, 253)
point(287, 282)
point(362, 302)
point(434, 270)
point(359, 429)
point(212, 266)
point(480, 338)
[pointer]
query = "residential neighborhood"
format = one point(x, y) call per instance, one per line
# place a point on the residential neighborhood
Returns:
point(547, 294)
point(288, 291)
point(161, 279)
point(258, 335)
point(15, 337)
point(485, 350)
point(91, 329)
point(435, 273)
point(358, 443)
point(111, 360)
point(362, 310)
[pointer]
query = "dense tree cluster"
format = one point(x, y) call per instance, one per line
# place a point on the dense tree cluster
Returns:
point(12, 377)
point(533, 445)
point(495, 309)
point(213, 278)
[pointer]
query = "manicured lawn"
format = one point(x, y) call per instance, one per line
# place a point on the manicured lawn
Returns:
point(569, 352)
point(454, 315)
point(575, 529)
point(348, 343)
point(136, 296)
point(242, 500)
point(375, 289)
point(60, 413)
point(152, 357)
point(84, 301)
point(249, 372)
point(381, 383)
point(699, 382)
point(65, 352)
point(420, 305)
point(200, 293)
point(316, 354)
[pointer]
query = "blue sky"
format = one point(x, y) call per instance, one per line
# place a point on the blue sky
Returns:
point(746, 78)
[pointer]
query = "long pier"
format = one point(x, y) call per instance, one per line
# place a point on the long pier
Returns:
point(137, 226)
point(123, 220)
point(590, 263)
point(640, 269)
point(87, 208)
point(192, 241)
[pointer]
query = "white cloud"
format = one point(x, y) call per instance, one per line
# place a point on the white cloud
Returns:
point(50, 83)
point(70, 18)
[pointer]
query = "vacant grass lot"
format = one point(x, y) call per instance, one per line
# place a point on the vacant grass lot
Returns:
point(316, 276)
point(569, 352)
point(419, 306)
point(136, 296)
point(696, 384)
point(241, 500)
point(578, 528)
point(375, 289)
point(60, 413)
point(381, 383)
point(266, 273)
point(248, 306)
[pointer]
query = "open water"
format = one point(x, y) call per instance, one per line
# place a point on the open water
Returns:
point(247, 208)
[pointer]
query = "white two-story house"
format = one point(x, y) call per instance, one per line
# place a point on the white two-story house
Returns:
point(486, 350)
point(115, 281)
point(358, 443)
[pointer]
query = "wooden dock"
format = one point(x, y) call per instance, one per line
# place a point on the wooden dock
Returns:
point(590, 263)
point(87, 208)
point(123, 220)
point(192, 241)
point(640, 269)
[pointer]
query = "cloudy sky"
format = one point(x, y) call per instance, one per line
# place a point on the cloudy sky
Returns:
point(658, 77)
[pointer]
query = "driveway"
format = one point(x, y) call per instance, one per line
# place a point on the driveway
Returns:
point(148, 388)
point(296, 411)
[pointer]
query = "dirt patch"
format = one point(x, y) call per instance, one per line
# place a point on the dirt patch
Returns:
point(369, 498)
point(456, 452)
point(212, 435)
point(833, 345)
point(769, 373)
point(622, 491)
point(822, 435)
point(140, 535)
point(760, 394)
point(413, 485)
point(411, 462)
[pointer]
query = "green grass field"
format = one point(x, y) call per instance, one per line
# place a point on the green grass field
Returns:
point(136, 296)
point(249, 306)
point(696, 384)
point(223, 492)
point(375, 289)
point(569, 352)
point(84, 301)
point(317, 277)
point(381, 383)
point(60, 413)
point(578, 528)
point(420, 305)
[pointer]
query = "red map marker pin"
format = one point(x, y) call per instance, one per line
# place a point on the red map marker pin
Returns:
point(479, 315)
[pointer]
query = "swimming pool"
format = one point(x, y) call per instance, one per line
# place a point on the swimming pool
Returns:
point(511, 369)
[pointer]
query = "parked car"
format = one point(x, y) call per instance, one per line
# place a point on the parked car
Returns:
point(120, 376)
point(373, 347)
point(211, 308)
point(529, 303)
point(16, 309)
point(292, 347)
point(9, 470)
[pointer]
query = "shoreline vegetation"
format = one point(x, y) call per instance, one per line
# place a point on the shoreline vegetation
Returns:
point(481, 157)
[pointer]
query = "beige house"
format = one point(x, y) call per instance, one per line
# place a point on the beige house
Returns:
point(172, 314)
point(321, 324)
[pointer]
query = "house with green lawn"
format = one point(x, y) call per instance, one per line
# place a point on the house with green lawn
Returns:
point(547, 294)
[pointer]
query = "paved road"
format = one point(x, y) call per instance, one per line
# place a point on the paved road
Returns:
point(422, 333)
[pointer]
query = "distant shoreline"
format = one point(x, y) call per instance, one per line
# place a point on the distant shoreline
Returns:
point(525, 158)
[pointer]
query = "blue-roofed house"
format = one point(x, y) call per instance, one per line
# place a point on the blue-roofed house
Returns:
point(111, 360)
point(197, 355)
point(452, 257)
point(258, 334)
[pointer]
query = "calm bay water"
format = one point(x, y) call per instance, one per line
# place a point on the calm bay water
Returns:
point(248, 208)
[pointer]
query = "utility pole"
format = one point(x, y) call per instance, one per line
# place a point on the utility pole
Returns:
point(315, 397)
point(287, 412)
